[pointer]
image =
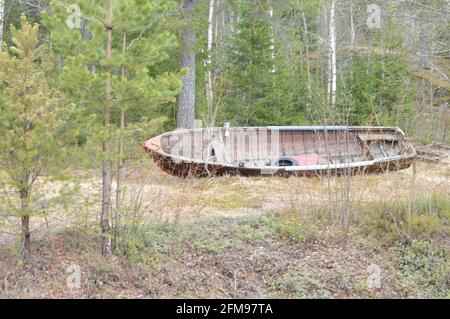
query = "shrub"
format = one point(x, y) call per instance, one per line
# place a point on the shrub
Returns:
point(393, 221)
point(294, 227)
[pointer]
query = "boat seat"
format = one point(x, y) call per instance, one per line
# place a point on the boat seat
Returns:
point(373, 144)
point(366, 137)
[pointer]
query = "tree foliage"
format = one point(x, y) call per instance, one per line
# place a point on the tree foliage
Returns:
point(35, 124)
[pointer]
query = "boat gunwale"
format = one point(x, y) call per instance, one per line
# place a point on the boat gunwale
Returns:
point(290, 128)
point(157, 148)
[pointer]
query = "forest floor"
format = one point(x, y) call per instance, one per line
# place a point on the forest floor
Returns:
point(240, 237)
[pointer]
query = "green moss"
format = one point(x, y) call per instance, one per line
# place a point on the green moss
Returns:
point(296, 228)
point(426, 267)
point(296, 285)
point(211, 246)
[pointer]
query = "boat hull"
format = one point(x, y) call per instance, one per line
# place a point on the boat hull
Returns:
point(167, 165)
point(336, 151)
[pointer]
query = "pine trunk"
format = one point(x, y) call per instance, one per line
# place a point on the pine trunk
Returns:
point(120, 165)
point(25, 218)
point(186, 100)
point(106, 174)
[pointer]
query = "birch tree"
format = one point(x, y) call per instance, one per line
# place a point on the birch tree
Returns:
point(2, 17)
point(209, 84)
point(272, 34)
point(332, 58)
point(352, 26)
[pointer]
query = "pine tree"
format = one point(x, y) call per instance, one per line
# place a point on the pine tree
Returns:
point(134, 86)
point(118, 80)
point(263, 87)
point(186, 101)
point(250, 67)
point(32, 118)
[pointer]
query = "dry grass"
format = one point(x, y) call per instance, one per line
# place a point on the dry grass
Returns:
point(240, 237)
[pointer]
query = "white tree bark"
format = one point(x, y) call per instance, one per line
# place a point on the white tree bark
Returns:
point(217, 18)
point(2, 15)
point(308, 70)
point(352, 26)
point(209, 89)
point(332, 57)
point(272, 40)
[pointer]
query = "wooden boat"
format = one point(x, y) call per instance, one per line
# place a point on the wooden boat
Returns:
point(281, 150)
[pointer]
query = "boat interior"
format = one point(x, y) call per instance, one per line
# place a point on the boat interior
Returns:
point(285, 146)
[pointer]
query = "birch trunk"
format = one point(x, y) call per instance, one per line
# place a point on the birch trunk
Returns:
point(352, 26)
point(209, 89)
point(308, 69)
point(186, 100)
point(332, 58)
point(2, 16)
point(272, 40)
point(106, 172)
